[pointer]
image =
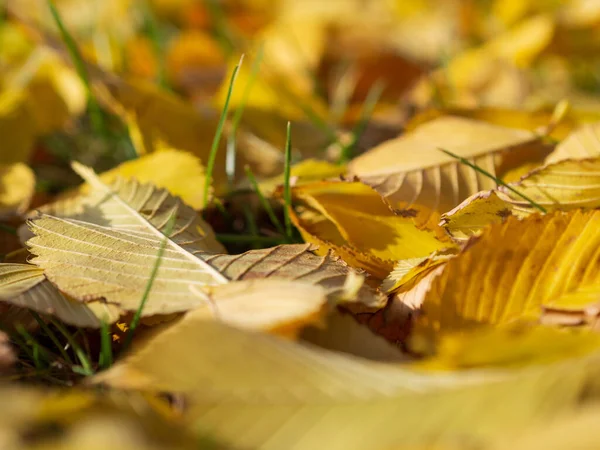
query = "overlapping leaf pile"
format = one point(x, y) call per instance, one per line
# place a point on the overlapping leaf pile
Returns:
point(413, 262)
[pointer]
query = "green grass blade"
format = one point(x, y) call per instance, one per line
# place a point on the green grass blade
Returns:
point(94, 107)
point(81, 355)
point(496, 179)
point(161, 250)
point(210, 166)
point(46, 329)
point(287, 188)
point(237, 117)
point(365, 115)
point(264, 202)
point(106, 358)
point(37, 351)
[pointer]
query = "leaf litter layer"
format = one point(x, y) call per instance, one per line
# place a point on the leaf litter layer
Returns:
point(301, 226)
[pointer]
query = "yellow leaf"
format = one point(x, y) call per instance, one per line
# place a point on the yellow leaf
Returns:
point(290, 395)
point(181, 173)
point(512, 271)
point(532, 120)
point(476, 212)
point(353, 220)
point(581, 144)
point(509, 346)
point(17, 186)
point(562, 186)
point(25, 286)
point(306, 171)
point(278, 306)
point(164, 120)
point(412, 269)
point(112, 238)
point(412, 169)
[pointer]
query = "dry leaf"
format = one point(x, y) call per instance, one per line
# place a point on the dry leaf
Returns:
point(112, 242)
point(512, 271)
point(561, 186)
point(278, 306)
point(354, 221)
point(25, 286)
point(583, 143)
point(300, 396)
point(411, 169)
point(181, 173)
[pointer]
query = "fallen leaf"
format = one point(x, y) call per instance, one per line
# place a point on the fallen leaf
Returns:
point(412, 169)
point(25, 286)
point(278, 306)
point(475, 213)
point(561, 186)
point(113, 241)
point(354, 221)
point(306, 171)
point(301, 396)
point(179, 172)
point(583, 143)
point(522, 266)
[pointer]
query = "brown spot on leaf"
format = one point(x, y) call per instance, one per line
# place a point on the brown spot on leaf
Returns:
point(503, 213)
point(409, 212)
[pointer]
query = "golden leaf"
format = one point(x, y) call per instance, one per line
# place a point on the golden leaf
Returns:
point(512, 271)
point(354, 221)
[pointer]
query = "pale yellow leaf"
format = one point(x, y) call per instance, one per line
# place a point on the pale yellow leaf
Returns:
point(583, 143)
point(341, 332)
point(110, 244)
point(286, 395)
point(413, 170)
point(181, 173)
point(278, 306)
point(561, 186)
point(25, 286)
